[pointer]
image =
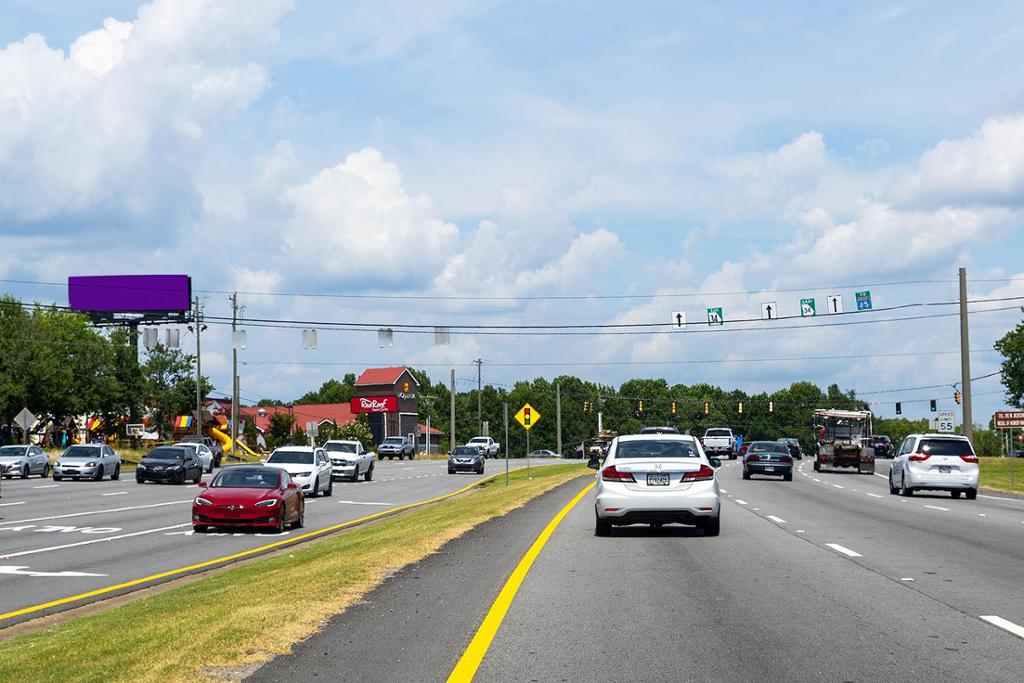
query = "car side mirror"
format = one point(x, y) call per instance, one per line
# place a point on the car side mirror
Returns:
point(203, 484)
point(715, 462)
point(292, 486)
point(594, 463)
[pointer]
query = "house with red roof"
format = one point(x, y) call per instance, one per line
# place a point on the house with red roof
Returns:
point(396, 410)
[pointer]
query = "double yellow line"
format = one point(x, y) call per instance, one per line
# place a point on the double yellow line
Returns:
point(241, 555)
point(471, 659)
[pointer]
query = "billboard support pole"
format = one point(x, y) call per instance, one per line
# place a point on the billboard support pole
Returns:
point(199, 371)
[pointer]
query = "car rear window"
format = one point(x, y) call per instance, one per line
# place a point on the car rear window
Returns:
point(340, 447)
point(718, 432)
point(768, 447)
point(655, 449)
point(946, 447)
point(291, 458)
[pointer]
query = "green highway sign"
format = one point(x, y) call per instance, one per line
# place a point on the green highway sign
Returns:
point(807, 307)
point(864, 301)
point(715, 316)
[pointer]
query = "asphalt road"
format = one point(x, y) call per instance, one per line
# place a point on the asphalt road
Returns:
point(60, 539)
point(824, 578)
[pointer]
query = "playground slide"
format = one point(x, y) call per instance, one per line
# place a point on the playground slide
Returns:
point(228, 446)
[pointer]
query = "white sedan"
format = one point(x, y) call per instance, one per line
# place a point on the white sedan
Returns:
point(349, 460)
point(202, 451)
point(310, 468)
point(656, 479)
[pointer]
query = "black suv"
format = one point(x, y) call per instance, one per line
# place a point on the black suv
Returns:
point(881, 444)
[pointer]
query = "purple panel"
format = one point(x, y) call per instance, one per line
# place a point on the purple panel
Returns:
point(130, 292)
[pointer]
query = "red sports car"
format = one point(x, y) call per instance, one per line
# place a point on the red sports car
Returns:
point(249, 496)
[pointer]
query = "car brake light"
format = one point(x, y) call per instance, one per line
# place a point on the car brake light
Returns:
point(785, 458)
point(611, 474)
point(703, 474)
point(969, 458)
point(753, 458)
point(919, 457)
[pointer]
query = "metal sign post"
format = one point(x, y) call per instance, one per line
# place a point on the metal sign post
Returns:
point(506, 443)
point(527, 417)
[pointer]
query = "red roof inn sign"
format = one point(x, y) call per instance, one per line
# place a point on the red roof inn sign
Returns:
point(1008, 419)
point(375, 404)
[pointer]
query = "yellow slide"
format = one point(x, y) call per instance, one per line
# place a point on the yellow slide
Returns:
point(228, 446)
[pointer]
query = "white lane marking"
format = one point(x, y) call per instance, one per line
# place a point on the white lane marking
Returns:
point(800, 531)
point(845, 551)
point(818, 480)
point(1004, 624)
point(936, 507)
point(982, 514)
point(100, 512)
point(115, 493)
point(724, 491)
point(105, 539)
point(48, 486)
point(838, 486)
point(756, 509)
point(7, 505)
point(906, 578)
point(1012, 500)
point(359, 502)
point(874, 495)
point(883, 476)
point(21, 571)
point(741, 502)
point(776, 519)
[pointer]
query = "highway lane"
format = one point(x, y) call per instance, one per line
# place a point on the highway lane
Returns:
point(82, 536)
point(807, 582)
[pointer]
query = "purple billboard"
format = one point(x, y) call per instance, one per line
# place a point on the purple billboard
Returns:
point(131, 298)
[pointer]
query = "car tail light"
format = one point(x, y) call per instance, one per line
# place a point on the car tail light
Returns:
point(919, 457)
point(611, 474)
point(969, 458)
point(785, 458)
point(703, 474)
point(753, 458)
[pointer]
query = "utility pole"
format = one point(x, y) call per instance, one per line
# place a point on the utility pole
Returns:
point(558, 417)
point(234, 375)
point(479, 414)
point(965, 359)
point(451, 428)
point(199, 370)
point(505, 412)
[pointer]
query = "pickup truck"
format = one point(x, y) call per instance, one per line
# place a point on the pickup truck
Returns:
point(349, 460)
point(214, 446)
point(488, 446)
point(718, 441)
point(396, 447)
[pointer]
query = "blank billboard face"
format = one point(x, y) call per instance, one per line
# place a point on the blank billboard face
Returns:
point(104, 296)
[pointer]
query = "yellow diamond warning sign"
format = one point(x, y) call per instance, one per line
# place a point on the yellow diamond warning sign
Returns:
point(527, 416)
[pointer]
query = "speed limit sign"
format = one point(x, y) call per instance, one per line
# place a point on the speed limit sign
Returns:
point(946, 421)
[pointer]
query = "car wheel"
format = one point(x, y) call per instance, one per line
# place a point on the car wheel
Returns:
point(602, 527)
point(713, 526)
point(330, 486)
point(56, 477)
point(732, 456)
point(282, 524)
point(200, 528)
point(412, 456)
point(369, 474)
point(99, 474)
point(816, 468)
point(300, 521)
point(892, 487)
point(451, 471)
point(401, 456)
point(788, 477)
point(314, 490)
point(746, 475)
point(24, 472)
point(972, 494)
point(199, 475)
point(955, 494)
point(140, 480)
point(904, 489)
point(117, 473)
point(46, 471)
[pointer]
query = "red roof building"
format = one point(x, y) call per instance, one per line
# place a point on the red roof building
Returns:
point(374, 377)
point(338, 413)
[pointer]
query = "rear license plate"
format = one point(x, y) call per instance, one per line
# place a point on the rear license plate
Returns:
point(945, 469)
point(657, 479)
point(769, 469)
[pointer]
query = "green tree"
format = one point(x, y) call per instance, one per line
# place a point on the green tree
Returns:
point(168, 386)
point(331, 391)
point(279, 429)
point(1011, 346)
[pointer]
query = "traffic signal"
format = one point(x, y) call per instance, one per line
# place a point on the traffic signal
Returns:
point(957, 397)
point(527, 416)
point(771, 406)
point(640, 406)
point(899, 408)
point(741, 407)
point(934, 406)
point(707, 407)
point(586, 406)
point(673, 407)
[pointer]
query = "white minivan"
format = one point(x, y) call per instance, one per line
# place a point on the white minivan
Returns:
point(935, 462)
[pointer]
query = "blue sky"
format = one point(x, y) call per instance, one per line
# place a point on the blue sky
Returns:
point(527, 149)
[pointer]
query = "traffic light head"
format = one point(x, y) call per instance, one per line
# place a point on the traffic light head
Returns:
point(957, 397)
point(771, 406)
point(673, 407)
point(899, 408)
point(934, 406)
point(741, 408)
point(640, 405)
point(707, 407)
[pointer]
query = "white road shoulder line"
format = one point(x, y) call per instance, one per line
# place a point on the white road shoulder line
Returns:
point(48, 486)
point(883, 476)
point(359, 502)
point(105, 539)
point(874, 495)
point(845, 551)
point(778, 520)
point(936, 507)
point(837, 486)
point(115, 493)
point(1004, 624)
point(7, 505)
point(741, 502)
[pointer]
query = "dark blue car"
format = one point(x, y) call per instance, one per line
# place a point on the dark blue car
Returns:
point(769, 458)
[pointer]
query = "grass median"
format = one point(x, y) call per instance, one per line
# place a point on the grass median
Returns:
point(1003, 474)
point(220, 626)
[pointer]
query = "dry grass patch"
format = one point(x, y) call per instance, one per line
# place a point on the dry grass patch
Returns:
point(217, 628)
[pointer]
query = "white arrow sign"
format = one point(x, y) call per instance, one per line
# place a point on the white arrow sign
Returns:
point(679, 318)
point(835, 303)
point(769, 310)
point(24, 571)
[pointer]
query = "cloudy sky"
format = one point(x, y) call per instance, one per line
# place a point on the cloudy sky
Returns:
point(647, 158)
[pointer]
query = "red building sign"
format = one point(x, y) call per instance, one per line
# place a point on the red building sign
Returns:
point(375, 404)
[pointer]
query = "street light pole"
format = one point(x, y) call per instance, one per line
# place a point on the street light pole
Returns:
point(199, 370)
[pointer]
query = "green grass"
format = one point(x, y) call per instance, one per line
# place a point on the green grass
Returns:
point(217, 625)
point(995, 473)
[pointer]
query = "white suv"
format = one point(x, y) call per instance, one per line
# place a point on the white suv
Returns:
point(310, 468)
point(935, 462)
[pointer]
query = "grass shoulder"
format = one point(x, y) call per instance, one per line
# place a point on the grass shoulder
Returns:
point(1002, 474)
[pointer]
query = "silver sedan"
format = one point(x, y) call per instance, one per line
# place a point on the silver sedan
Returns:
point(21, 461)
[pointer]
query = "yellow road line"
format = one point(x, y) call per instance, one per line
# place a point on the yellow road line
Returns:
point(466, 669)
point(240, 555)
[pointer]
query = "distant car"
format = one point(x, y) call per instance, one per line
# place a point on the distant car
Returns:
point(720, 441)
point(214, 446)
point(466, 459)
point(201, 450)
point(1014, 454)
point(794, 447)
point(249, 496)
point(658, 430)
point(171, 464)
point(935, 462)
point(656, 479)
point(768, 457)
point(87, 461)
point(543, 453)
point(22, 461)
point(349, 460)
point(310, 468)
point(881, 444)
point(489, 446)
point(396, 447)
